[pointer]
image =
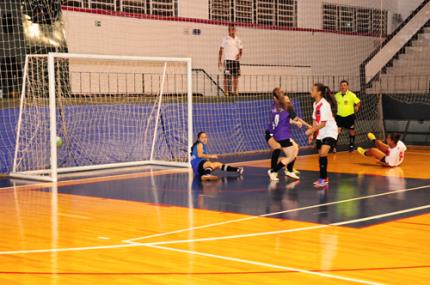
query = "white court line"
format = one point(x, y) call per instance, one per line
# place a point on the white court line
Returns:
point(137, 244)
point(264, 264)
point(291, 230)
point(48, 250)
point(275, 213)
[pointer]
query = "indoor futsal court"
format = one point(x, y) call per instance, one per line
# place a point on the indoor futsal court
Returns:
point(214, 142)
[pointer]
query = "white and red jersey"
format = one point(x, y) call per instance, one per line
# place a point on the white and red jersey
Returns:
point(322, 113)
point(396, 155)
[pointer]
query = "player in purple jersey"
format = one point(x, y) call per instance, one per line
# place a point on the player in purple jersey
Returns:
point(278, 135)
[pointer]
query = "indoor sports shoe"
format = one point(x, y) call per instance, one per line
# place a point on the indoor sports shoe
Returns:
point(292, 175)
point(321, 183)
point(371, 136)
point(296, 171)
point(361, 151)
point(241, 170)
point(351, 148)
point(273, 175)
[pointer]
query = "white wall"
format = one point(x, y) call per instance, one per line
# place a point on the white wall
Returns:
point(405, 7)
point(310, 11)
point(326, 53)
point(198, 9)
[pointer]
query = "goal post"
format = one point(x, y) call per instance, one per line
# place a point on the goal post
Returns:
point(81, 112)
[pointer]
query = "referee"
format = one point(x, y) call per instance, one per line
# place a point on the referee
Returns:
point(347, 105)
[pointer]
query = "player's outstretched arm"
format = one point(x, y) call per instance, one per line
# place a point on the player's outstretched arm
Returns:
point(203, 155)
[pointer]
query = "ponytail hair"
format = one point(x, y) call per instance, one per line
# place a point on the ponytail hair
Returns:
point(327, 94)
point(197, 141)
point(280, 95)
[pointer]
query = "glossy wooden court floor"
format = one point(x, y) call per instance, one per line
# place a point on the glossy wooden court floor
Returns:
point(158, 226)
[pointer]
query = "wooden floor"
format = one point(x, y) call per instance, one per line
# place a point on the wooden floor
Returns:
point(54, 238)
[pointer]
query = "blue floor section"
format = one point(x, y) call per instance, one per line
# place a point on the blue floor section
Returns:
point(254, 194)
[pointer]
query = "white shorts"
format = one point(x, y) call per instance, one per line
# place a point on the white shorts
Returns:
point(394, 158)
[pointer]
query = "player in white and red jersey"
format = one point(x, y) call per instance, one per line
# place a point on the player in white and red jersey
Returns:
point(389, 154)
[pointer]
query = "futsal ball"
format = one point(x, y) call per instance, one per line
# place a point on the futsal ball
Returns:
point(59, 142)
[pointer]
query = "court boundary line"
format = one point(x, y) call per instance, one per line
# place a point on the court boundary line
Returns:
point(264, 264)
point(277, 213)
point(98, 179)
point(126, 244)
point(354, 221)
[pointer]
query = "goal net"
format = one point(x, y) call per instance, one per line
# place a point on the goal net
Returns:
point(87, 112)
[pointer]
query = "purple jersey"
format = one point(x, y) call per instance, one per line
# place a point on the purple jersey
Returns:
point(280, 126)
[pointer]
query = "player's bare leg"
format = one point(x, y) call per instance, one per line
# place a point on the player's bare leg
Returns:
point(226, 84)
point(292, 151)
point(210, 166)
point(235, 84)
point(352, 134)
point(378, 151)
point(323, 161)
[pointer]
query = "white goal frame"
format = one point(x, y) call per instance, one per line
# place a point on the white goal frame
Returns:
point(51, 175)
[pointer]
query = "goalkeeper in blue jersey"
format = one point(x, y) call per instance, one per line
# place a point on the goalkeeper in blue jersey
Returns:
point(201, 160)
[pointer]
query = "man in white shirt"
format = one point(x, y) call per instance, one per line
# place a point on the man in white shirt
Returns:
point(390, 154)
point(231, 49)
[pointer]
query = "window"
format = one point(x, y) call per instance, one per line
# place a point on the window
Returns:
point(379, 22)
point(354, 19)
point(244, 11)
point(364, 20)
point(164, 7)
point(265, 11)
point(287, 13)
point(152, 7)
point(330, 17)
point(134, 6)
point(220, 10)
point(74, 3)
point(102, 4)
point(347, 19)
point(262, 12)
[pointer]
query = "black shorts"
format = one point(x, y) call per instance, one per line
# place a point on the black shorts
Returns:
point(345, 122)
point(268, 136)
point(286, 143)
point(201, 169)
point(326, 141)
point(232, 67)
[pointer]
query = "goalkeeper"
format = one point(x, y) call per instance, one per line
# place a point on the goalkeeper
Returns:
point(201, 160)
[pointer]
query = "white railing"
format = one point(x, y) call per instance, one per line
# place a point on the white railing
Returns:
point(387, 52)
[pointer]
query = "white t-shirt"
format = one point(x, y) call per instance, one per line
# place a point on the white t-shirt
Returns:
point(322, 113)
point(396, 155)
point(231, 47)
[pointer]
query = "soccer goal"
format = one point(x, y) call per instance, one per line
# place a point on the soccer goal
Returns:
point(87, 112)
